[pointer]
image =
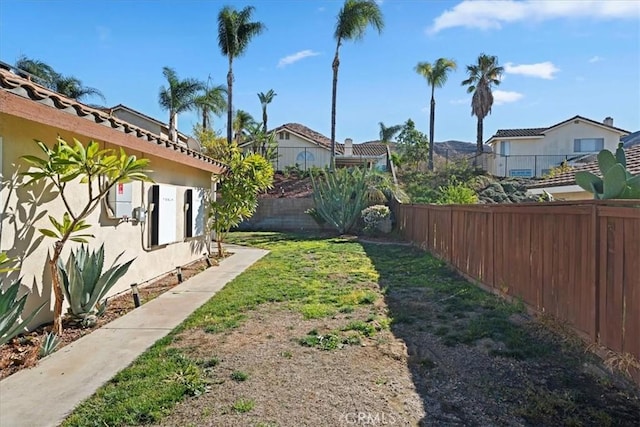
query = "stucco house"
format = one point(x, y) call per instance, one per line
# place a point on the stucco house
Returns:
point(306, 148)
point(169, 235)
point(563, 186)
point(136, 118)
point(533, 152)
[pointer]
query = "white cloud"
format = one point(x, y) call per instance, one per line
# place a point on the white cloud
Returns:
point(542, 70)
point(488, 14)
point(503, 97)
point(595, 59)
point(321, 9)
point(290, 59)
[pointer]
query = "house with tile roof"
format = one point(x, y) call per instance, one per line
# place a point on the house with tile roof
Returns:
point(533, 152)
point(306, 148)
point(563, 186)
point(160, 224)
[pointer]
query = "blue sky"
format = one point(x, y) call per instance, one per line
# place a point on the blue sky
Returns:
point(562, 58)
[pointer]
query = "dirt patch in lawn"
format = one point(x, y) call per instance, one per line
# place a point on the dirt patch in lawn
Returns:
point(22, 351)
point(289, 384)
point(272, 370)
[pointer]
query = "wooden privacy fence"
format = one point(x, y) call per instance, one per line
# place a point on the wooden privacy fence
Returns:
point(578, 261)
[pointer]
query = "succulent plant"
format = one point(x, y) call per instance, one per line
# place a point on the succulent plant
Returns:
point(49, 344)
point(340, 196)
point(10, 311)
point(616, 182)
point(85, 285)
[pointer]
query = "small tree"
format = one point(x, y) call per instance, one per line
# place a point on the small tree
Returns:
point(414, 144)
point(237, 198)
point(98, 171)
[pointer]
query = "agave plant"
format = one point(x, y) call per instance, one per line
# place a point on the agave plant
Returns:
point(10, 312)
point(49, 344)
point(340, 197)
point(85, 285)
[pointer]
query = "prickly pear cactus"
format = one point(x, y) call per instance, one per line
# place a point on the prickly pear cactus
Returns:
point(616, 182)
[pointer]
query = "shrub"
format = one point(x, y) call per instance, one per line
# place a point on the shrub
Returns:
point(457, 193)
point(374, 218)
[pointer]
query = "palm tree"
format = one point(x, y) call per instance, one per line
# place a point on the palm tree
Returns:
point(481, 76)
point(387, 133)
point(436, 75)
point(178, 97)
point(353, 20)
point(212, 101)
point(73, 88)
point(45, 75)
point(243, 123)
point(265, 99)
point(235, 31)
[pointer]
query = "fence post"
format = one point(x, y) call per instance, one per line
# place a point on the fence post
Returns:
point(595, 270)
point(535, 166)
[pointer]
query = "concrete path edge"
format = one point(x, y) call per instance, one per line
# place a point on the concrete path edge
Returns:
point(45, 394)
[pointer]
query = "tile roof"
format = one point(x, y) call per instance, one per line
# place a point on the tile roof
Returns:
point(368, 149)
point(511, 133)
point(309, 134)
point(26, 89)
point(568, 178)
point(533, 132)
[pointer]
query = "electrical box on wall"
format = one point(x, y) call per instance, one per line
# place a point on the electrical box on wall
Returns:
point(194, 212)
point(120, 200)
point(163, 214)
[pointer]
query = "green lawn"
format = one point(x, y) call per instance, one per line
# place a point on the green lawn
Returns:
point(319, 277)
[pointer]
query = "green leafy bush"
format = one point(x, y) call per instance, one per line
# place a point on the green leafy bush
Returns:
point(374, 218)
point(85, 285)
point(456, 193)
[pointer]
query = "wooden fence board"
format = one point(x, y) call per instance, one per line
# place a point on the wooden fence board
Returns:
point(578, 261)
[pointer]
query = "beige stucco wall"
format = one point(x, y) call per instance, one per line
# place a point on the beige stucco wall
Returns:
point(290, 149)
point(26, 209)
point(141, 122)
point(556, 144)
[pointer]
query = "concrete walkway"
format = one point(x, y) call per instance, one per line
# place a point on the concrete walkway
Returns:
point(46, 394)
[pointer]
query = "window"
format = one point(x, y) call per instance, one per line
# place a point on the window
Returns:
point(305, 156)
point(522, 173)
point(588, 145)
point(505, 148)
point(283, 135)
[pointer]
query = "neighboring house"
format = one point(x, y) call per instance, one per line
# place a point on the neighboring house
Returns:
point(303, 147)
point(534, 152)
point(172, 234)
point(631, 140)
point(563, 186)
point(129, 115)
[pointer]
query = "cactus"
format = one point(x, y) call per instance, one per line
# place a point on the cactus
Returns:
point(340, 197)
point(616, 182)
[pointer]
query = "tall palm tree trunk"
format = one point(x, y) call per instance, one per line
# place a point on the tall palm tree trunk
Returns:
point(264, 119)
point(479, 145)
point(205, 119)
point(432, 120)
point(335, 65)
point(173, 132)
point(229, 104)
